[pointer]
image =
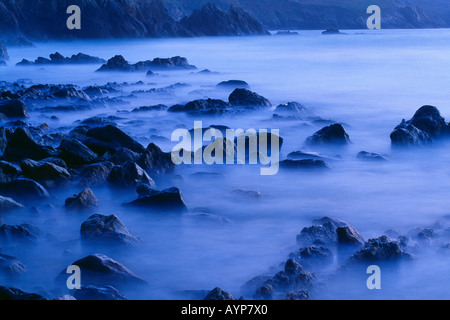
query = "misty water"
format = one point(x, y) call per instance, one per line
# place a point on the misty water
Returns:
point(367, 80)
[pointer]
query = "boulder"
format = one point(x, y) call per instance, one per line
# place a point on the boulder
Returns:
point(157, 107)
point(9, 293)
point(202, 107)
point(25, 189)
point(303, 164)
point(349, 235)
point(248, 99)
point(298, 295)
point(233, 84)
point(90, 292)
point(85, 200)
point(7, 204)
point(123, 155)
point(47, 173)
point(292, 268)
point(219, 294)
point(315, 255)
point(9, 168)
point(11, 266)
point(129, 174)
point(13, 109)
point(21, 145)
point(110, 138)
point(108, 230)
point(325, 233)
point(333, 134)
point(99, 269)
point(169, 199)
point(71, 94)
point(380, 249)
point(21, 233)
point(294, 108)
point(155, 161)
point(95, 174)
point(369, 156)
point(116, 63)
point(76, 153)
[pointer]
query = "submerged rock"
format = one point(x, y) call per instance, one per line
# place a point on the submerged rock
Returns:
point(20, 233)
point(7, 204)
point(11, 266)
point(9, 293)
point(249, 99)
point(13, 109)
point(155, 161)
point(363, 155)
point(107, 229)
point(333, 134)
point(202, 107)
point(219, 294)
point(169, 199)
point(380, 249)
point(75, 152)
point(98, 293)
point(129, 174)
point(22, 145)
point(25, 189)
point(110, 139)
point(85, 200)
point(47, 173)
point(303, 164)
point(233, 84)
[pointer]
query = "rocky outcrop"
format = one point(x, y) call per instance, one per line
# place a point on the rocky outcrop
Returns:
point(219, 294)
point(57, 58)
point(334, 134)
point(118, 63)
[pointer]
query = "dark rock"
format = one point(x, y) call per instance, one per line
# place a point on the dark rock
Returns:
point(9, 168)
point(286, 33)
point(426, 234)
point(110, 138)
point(173, 63)
point(4, 133)
point(129, 174)
point(326, 233)
point(169, 199)
point(363, 155)
point(155, 161)
point(95, 174)
point(303, 164)
point(380, 249)
point(304, 280)
point(14, 109)
point(25, 189)
point(295, 108)
point(158, 107)
point(333, 134)
point(406, 135)
point(116, 63)
point(8, 293)
point(210, 20)
point(292, 268)
point(248, 99)
point(108, 230)
point(97, 122)
point(45, 172)
point(144, 190)
point(349, 235)
point(65, 297)
point(233, 84)
point(98, 293)
point(85, 200)
point(11, 266)
point(299, 295)
point(265, 292)
point(202, 107)
point(71, 93)
point(76, 153)
point(335, 222)
point(219, 294)
point(19, 233)
point(313, 256)
point(21, 145)
point(7, 204)
point(99, 269)
point(123, 155)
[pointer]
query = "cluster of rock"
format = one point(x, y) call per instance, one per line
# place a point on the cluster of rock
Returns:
point(58, 59)
point(118, 63)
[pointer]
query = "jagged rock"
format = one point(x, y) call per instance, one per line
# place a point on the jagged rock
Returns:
point(155, 161)
point(47, 173)
point(110, 138)
point(169, 199)
point(76, 153)
point(313, 256)
point(9, 168)
point(292, 267)
point(13, 109)
point(83, 201)
point(57, 58)
point(363, 155)
point(107, 229)
point(219, 294)
point(265, 292)
point(333, 134)
point(129, 174)
point(20, 233)
point(202, 107)
point(25, 189)
point(7, 204)
point(11, 266)
point(21, 145)
point(380, 249)
point(295, 108)
point(118, 63)
point(233, 84)
point(349, 235)
point(97, 122)
point(299, 295)
point(95, 174)
point(157, 107)
point(325, 233)
point(8, 293)
point(99, 269)
point(248, 99)
point(71, 93)
point(98, 293)
point(144, 190)
point(123, 155)
point(303, 164)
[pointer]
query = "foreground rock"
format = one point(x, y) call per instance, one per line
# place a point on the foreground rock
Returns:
point(85, 200)
point(46, 173)
point(21, 145)
point(8, 293)
point(426, 125)
point(107, 230)
point(76, 153)
point(98, 293)
point(219, 294)
point(167, 200)
point(24, 189)
point(333, 134)
point(13, 109)
point(95, 174)
point(99, 269)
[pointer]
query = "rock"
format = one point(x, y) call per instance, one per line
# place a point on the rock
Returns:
point(9, 293)
point(76, 153)
point(65, 297)
point(110, 138)
point(335, 222)
point(144, 190)
point(325, 233)
point(299, 295)
point(303, 164)
point(349, 235)
point(13, 109)
point(108, 230)
point(157, 107)
point(426, 124)
point(248, 99)
point(233, 84)
point(169, 199)
point(173, 63)
point(286, 33)
point(11, 266)
point(4, 133)
point(333, 134)
point(25, 189)
point(123, 155)
point(202, 107)
point(57, 58)
point(314, 255)
point(7, 204)
point(47, 173)
point(21, 145)
point(380, 249)
point(97, 122)
point(292, 268)
point(332, 31)
point(210, 20)
point(99, 269)
point(71, 94)
point(85, 200)
point(363, 155)
point(155, 161)
point(19, 233)
point(98, 293)
point(219, 294)
point(118, 63)
point(9, 168)
point(129, 174)
point(265, 292)
point(95, 174)
point(295, 108)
